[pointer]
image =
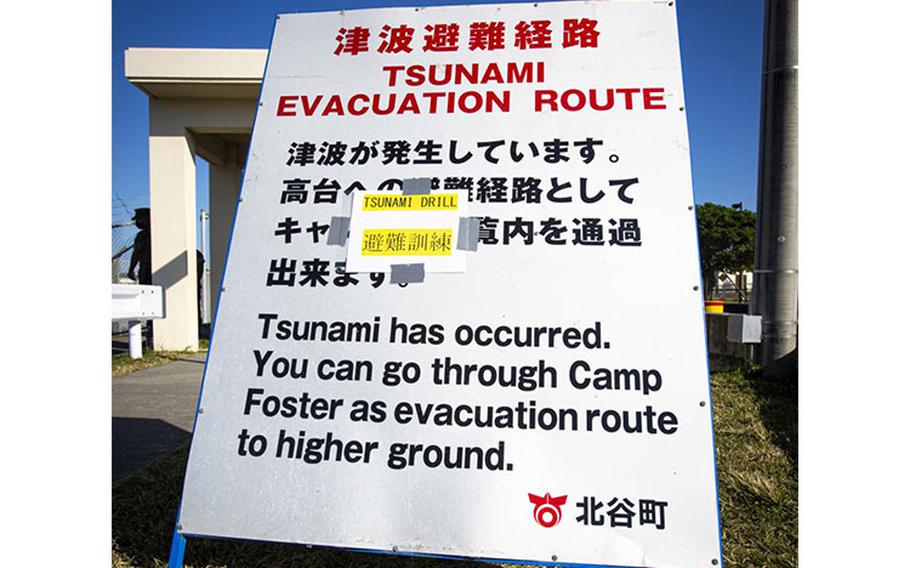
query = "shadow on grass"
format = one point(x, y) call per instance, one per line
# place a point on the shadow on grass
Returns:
point(136, 442)
point(755, 422)
point(778, 401)
point(144, 508)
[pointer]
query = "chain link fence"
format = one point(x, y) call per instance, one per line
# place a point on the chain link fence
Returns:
point(732, 295)
point(731, 288)
point(122, 236)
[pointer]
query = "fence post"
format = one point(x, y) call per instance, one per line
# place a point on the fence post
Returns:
point(206, 300)
point(135, 339)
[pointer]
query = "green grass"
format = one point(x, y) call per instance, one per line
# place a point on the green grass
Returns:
point(755, 424)
point(756, 436)
point(123, 364)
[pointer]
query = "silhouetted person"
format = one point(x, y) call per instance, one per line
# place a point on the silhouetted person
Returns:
point(142, 248)
point(142, 256)
point(200, 267)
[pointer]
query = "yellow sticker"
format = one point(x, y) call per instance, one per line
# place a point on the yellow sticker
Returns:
point(398, 202)
point(407, 242)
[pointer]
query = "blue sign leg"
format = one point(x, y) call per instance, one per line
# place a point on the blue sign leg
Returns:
point(178, 548)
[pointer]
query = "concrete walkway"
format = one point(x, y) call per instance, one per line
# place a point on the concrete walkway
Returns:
point(153, 411)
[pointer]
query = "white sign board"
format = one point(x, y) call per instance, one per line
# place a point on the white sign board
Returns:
point(549, 401)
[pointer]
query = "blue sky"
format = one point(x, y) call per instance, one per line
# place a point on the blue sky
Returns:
point(721, 53)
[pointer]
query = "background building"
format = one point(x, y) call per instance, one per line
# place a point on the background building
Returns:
point(201, 103)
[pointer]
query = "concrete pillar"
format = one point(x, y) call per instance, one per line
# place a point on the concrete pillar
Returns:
point(224, 188)
point(172, 192)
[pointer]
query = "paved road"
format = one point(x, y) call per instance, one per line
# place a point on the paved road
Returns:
point(153, 412)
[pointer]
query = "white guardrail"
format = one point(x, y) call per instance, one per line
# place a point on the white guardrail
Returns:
point(135, 303)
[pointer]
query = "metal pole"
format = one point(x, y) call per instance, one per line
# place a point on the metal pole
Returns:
point(178, 550)
point(203, 221)
point(135, 339)
point(776, 260)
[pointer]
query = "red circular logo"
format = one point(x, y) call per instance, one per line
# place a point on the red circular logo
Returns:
point(547, 512)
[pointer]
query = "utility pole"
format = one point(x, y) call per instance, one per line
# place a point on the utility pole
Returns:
point(776, 255)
